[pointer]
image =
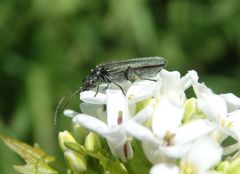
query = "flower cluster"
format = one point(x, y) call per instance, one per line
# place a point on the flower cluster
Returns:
point(179, 134)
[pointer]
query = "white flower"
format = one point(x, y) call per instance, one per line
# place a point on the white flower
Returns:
point(223, 110)
point(111, 127)
point(178, 135)
point(203, 155)
point(173, 86)
point(167, 137)
point(169, 85)
point(112, 130)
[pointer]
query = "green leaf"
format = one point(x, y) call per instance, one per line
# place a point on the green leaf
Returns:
point(40, 168)
point(37, 160)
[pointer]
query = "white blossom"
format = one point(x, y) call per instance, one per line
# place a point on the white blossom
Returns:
point(196, 161)
point(177, 134)
point(112, 129)
point(223, 109)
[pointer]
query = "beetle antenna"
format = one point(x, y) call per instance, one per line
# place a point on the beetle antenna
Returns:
point(62, 104)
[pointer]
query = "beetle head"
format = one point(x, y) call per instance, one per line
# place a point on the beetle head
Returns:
point(90, 81)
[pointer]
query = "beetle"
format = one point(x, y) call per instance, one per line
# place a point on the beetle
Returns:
point(120, 71)
point(114, 72)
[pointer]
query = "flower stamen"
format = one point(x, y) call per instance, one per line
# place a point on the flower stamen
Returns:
point(168, 138)
point(187, 168)
point(120, 117)
point(225, 123)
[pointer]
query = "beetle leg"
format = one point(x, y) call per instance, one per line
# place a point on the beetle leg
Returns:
point(97, 90)
point(119, 87)
point(106, 86)
point(110, 81)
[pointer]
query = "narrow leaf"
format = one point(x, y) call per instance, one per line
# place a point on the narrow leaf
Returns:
point(37, 160)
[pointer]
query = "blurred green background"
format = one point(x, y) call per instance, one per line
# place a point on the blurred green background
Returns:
point(47, 47)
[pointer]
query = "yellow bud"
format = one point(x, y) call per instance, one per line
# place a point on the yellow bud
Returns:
point(190, 109)
point(223, 166)
point(75, 162)
point(64, 137)
point(80, 133)
point(234, 167)
point(92, 142)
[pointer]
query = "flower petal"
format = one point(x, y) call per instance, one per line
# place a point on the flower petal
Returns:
point(91, 123)
point(124, 152)
point(164, 169)
point(116, 107)
point(184, 83)
point(144, 114)
point(199, 154)
point(198, 87)
point(193, 75)
point(213, 106)
point(233, 101)
point(192, 131)
point(91, 97)
point(175, 151)
point(142, 89)
point(96, 110)
point(234, 129)
point(118, 143)
point(152, 152)
point(140, 132)
point(170, 80)
point(70, 113)
point(167, 118)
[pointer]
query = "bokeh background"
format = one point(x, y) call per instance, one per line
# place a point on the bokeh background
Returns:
point(47, 47)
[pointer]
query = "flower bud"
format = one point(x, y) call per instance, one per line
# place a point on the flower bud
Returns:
point(234, 167)
point(223, 166)
point(64, 137)
point(92, 142)
point(190, 109)
point(75, 162)
point(79, 133)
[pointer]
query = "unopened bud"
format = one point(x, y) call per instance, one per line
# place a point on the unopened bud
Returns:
point(92, 142)
point(189, 109)
point(234, 167)
point(75, 162)
point(79, 133)
point(64, 137)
